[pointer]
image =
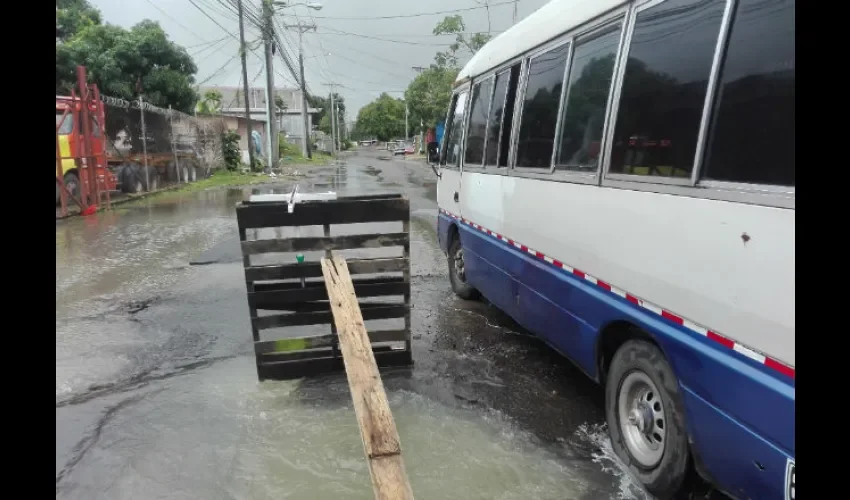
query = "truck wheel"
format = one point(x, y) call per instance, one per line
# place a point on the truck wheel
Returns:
point(72, 184)
point(646, 418)
point(131, 180)
point(457, 272)
point(152, 179)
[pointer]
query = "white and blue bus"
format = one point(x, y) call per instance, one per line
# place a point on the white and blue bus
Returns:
point(619, 178)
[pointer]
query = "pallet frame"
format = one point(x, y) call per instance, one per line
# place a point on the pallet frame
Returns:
point(298, 288)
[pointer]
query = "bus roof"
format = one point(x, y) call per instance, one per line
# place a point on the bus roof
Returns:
point(544, 24)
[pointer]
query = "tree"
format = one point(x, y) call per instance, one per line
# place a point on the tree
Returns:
point(429, 93)
point(382, 118)
point(210, 103)
point(126, 63)
point(72, 16)
point(455, 25)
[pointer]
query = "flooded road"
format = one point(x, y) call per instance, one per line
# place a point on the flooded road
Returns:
point(157, 393)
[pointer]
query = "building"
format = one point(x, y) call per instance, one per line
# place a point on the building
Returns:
point(289, 119)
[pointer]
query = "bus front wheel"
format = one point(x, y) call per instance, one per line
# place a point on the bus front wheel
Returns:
point(457, 271)
point(646, 417)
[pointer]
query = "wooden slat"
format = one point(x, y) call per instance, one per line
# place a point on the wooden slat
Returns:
point(257, 215)
point(325, 306)
point(314, 269)
point(274, 299)
point(377, 428)
point(320, 318)
point(296, 285)
point(343, 242)
point(300, 343)
point(299, 368)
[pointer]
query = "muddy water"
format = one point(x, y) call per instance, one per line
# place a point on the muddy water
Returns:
point(157, 395)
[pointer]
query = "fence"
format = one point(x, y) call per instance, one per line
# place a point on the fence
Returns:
point(180, 147)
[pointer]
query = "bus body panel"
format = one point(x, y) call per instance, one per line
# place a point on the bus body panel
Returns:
point(687, 255)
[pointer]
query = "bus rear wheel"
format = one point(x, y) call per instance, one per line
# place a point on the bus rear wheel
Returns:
point(646, 418)
point(457, 272)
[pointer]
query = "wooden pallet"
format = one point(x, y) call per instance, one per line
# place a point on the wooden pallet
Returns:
point(285, 295)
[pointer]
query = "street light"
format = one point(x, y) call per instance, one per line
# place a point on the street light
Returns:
point(309, 5)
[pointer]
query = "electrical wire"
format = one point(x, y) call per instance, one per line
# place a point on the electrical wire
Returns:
point(420, 14)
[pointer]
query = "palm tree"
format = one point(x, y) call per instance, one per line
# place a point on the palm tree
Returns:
point(210, 103)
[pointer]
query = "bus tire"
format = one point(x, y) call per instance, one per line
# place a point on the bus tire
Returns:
point(646, 418)
point(457, 275)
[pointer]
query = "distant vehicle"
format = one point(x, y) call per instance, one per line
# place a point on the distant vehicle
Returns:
point(402, 148)
point(637, 213)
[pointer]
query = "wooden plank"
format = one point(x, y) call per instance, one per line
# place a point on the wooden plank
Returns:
point(301, 343)
point(273, 299)
point(314, 269)
point(257, 215)
point(377, 428)
point(321, 318)
point(316, 243)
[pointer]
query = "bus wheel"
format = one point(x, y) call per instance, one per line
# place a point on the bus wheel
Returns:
point(646, 417)
point(457, 272)
point(72, 184)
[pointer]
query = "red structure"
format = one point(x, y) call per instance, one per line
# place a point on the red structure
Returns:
point(81, 167)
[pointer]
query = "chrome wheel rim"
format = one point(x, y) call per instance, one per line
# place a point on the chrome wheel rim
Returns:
point(460, 271)
point(643, 423)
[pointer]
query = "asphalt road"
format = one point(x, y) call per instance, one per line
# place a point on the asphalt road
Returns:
point(156, 389)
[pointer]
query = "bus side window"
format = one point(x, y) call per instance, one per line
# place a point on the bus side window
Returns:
point(752, 134)
point(663, 93)
point(454, 132)
point(508, 118)
point(539, 118)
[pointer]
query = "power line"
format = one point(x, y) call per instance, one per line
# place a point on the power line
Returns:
point(420, 14)
point(175, 21)
point(405, 42)
point(219, 70)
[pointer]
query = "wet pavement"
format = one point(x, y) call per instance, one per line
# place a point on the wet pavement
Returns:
point(157, 394)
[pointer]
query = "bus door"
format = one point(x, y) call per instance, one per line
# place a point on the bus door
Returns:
point(448, 185)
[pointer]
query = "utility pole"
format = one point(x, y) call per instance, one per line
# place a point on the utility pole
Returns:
point(245, 82)
point(305, 142)
point(268, 30)
point(406, 114)
point(338, 128)
point(333, 124)
point(515, 4)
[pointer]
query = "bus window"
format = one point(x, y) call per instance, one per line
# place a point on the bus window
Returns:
point(508, 119)
point(589, 84)
point(540, 108)
point(494, 120)
point(477, 128)
point(454, 132)
point(752, 138)
point(664, 89)
point(67, 123)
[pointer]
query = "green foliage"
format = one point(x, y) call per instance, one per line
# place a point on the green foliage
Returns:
point(324, 106)
point(455, 25)
point(429, 93)
point(72, 16)
point(124, 63)
point(382, 118)
point(289, 149)
point(210, 103)
point(230, 150)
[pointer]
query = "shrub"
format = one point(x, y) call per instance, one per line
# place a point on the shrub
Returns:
point(230, 150)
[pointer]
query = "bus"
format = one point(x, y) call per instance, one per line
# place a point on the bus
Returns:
point(618, 177)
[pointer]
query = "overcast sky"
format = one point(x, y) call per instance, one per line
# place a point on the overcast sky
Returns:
point(365, 66)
